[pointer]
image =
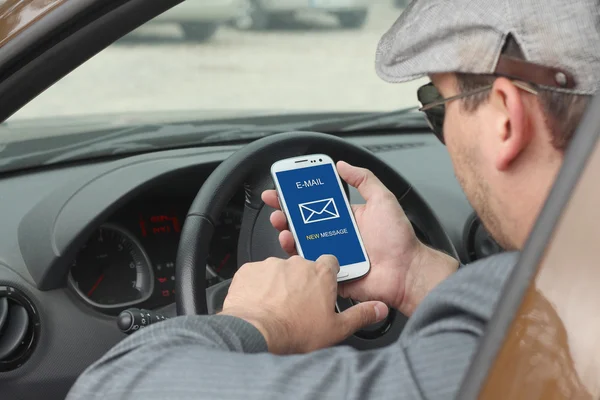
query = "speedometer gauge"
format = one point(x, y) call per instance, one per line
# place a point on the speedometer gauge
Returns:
point(112, 270)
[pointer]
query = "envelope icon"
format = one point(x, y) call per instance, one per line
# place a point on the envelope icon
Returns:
point(318, 210)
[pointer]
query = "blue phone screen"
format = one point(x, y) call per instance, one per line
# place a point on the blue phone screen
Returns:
point(315, 203)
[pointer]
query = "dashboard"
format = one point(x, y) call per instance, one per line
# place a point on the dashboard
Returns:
point(129, 260)
point(80, 242)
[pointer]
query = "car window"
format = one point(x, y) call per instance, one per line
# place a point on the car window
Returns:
point(213, 57)
point(543, 341)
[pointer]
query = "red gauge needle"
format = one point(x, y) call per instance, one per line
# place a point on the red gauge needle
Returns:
point(223, 262)
point(95, 285)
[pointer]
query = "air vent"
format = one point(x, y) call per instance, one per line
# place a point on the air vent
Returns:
point(378, 148)
point(477, 241)
point(19, 328)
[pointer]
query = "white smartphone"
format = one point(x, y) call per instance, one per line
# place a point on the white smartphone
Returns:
point(318, 212)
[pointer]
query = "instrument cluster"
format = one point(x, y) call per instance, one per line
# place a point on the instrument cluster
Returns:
point(130, 259)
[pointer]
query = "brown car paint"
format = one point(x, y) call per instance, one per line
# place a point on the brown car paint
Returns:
point(17, 15)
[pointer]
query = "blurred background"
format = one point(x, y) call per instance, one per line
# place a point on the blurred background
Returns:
point(236, 55)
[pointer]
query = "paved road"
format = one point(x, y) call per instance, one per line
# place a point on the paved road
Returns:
point(305, 66)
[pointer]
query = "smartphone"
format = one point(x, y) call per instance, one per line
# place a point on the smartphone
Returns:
point(318, 212)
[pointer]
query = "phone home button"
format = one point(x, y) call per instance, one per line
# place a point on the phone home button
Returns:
point(342, 274)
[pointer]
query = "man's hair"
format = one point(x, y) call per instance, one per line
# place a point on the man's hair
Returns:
point(563, 111)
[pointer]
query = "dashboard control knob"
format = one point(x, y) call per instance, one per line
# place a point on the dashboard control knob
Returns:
point(134, 319)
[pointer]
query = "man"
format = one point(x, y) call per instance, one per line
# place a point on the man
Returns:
point(511, 80)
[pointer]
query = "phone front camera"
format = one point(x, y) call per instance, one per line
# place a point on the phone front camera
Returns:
point(320, 159)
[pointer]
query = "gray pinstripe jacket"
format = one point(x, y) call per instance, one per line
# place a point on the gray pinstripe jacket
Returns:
point(222, 357)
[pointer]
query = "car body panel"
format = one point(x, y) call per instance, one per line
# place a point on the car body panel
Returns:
point(18, 15)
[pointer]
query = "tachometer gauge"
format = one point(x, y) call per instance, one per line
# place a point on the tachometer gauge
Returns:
point(112, 270)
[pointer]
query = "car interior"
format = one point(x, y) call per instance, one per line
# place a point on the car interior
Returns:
point(162, 226)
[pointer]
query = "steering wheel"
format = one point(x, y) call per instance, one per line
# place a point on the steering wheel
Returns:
point(250, 167)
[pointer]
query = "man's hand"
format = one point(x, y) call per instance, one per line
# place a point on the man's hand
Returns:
point(403, 270)
point(292, 303)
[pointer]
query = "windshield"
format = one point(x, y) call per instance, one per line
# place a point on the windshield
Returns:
point(216, 58)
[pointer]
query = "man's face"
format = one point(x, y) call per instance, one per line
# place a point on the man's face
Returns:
point(468, 136)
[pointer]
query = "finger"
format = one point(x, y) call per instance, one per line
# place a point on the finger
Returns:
point(269, 197)
point(346, 290)
point(361, 316)
point(278, 220)
point(331, 262)
point(286, 240)
point(362, 179)
point(354, 290)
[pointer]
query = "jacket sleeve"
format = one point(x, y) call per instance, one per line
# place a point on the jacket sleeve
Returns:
point(223, 357)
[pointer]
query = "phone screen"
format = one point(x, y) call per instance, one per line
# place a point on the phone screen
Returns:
point(315, 203)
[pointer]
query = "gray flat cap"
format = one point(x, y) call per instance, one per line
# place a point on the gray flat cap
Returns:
point(433, 36)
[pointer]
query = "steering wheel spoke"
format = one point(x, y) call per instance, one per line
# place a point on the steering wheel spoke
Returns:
point(215, 296)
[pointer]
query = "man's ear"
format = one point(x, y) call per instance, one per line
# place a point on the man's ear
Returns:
point(511, 126)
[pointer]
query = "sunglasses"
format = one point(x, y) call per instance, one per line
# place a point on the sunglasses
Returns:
point(434, 105)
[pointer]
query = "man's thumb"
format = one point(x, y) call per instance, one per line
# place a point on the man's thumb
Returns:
point(362, 179)
point(362, 315)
